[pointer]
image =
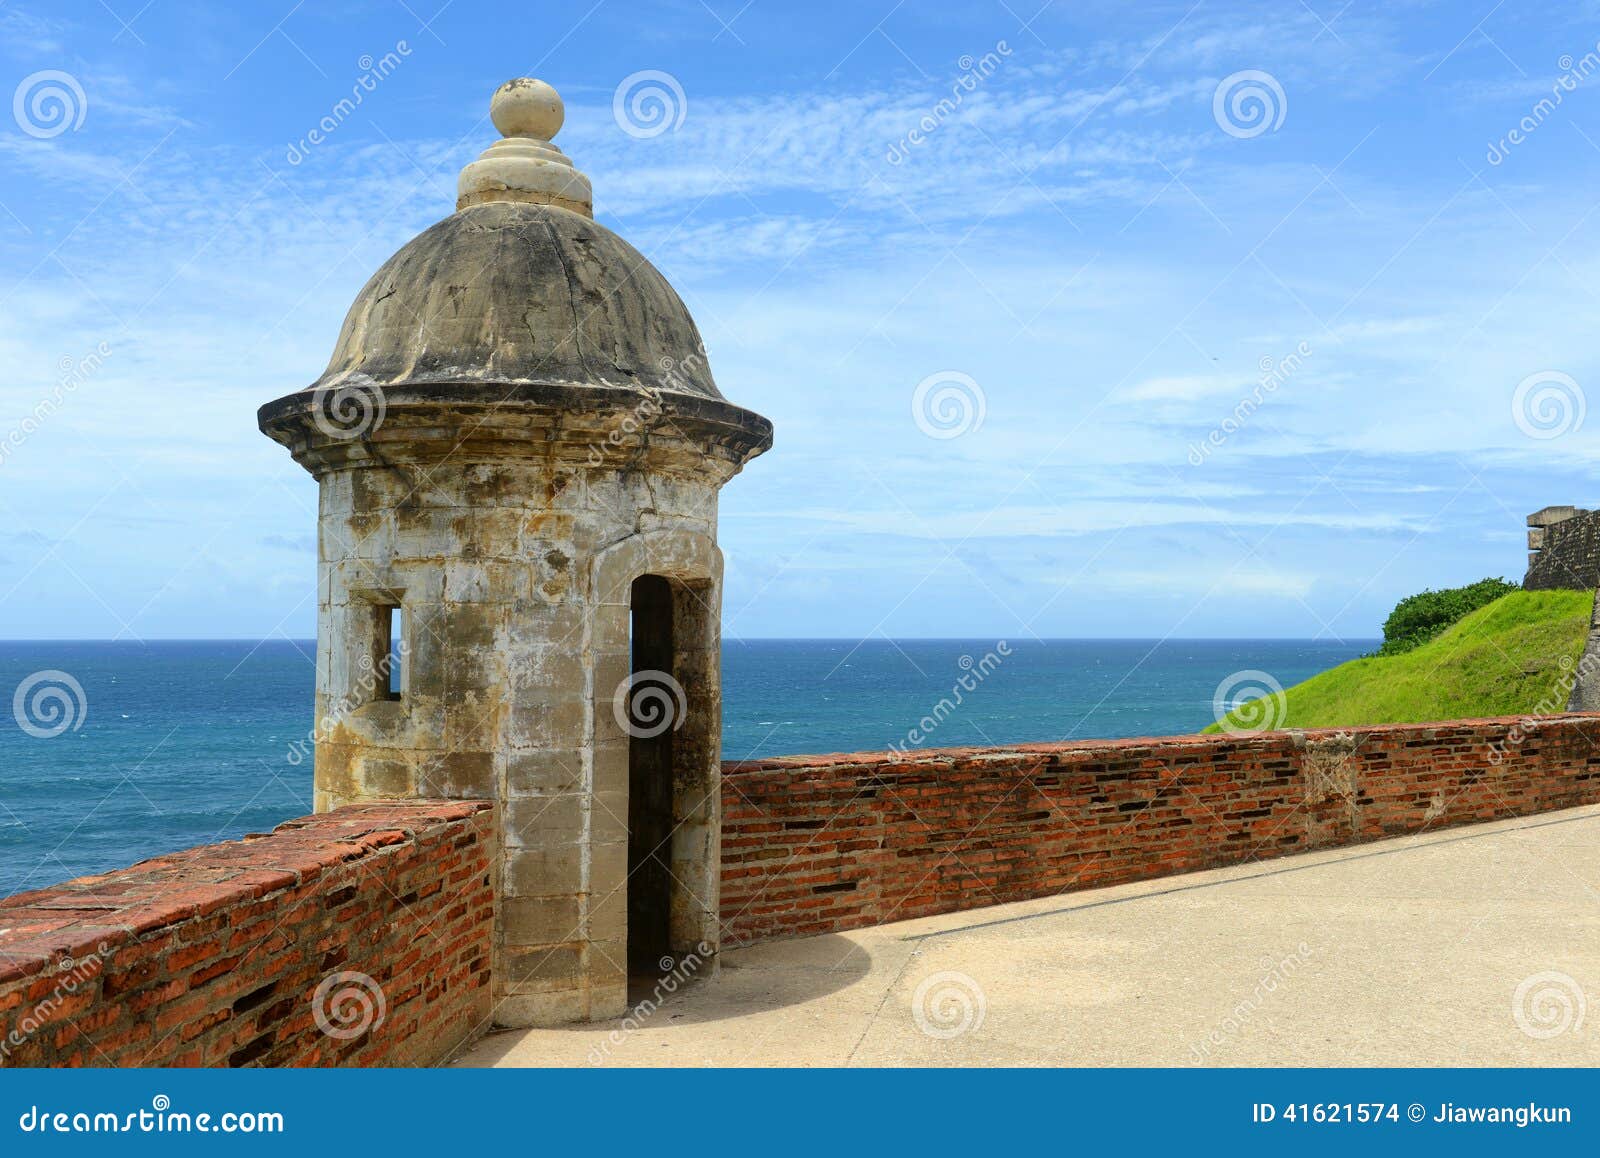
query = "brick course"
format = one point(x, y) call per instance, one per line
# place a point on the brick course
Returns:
point(815, 844)
point(213, 956)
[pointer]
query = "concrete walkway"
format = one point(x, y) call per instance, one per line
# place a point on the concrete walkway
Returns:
point(1474, 946)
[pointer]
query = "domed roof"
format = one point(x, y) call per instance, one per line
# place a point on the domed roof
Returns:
point(520, 285)
point(518, 291)
point(518, 327)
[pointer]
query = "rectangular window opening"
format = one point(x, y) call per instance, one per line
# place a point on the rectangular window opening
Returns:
point(391, 633)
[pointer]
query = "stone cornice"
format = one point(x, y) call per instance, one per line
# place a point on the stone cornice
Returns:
point(575, 425)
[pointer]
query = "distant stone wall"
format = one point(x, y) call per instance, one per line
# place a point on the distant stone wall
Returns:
point(818, 844)
point(1563, 550)
point(356, 937)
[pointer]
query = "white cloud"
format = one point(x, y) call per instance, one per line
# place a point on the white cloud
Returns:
point(1183, 388)
point(1191, 581)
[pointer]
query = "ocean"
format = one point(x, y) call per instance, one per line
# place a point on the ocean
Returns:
point(174, 744)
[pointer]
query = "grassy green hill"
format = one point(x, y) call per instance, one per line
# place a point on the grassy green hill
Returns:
point(1500, 660)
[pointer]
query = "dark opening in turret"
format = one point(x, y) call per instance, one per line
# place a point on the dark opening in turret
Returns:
point(656, 708)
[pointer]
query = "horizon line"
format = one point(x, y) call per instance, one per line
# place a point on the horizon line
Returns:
point(774, 639)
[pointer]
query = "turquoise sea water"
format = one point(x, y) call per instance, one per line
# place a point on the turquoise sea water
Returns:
point(180, 743)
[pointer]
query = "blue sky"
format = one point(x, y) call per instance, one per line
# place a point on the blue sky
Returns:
point(1094, 249)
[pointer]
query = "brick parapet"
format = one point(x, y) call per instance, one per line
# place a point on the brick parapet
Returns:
point(226, 954)
point(823, 843)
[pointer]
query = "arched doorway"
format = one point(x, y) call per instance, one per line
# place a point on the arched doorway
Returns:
point(658, 728)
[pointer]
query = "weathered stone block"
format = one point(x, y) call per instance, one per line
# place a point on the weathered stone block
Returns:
point(540, 920)
point(537, 719)
point(608, 817)
point(543, 968)
point(608, 997)
point(538, 624)
point(474, 718)
point(543, 872)
point(384, 776)
point(608, 916)
point(461, 776)
point(334, 774)
point(608, 867)
point(606, 963)
point(544, 771)
point(550, 669)
point(539, 821)
point(522, 1010)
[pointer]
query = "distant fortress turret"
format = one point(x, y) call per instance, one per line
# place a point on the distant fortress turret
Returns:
point(1563, 549)
point(519, 444)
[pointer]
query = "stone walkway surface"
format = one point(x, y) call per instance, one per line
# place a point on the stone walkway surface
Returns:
point(1473, 946)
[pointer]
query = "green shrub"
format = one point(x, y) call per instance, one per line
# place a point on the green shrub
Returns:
point(1418, 618)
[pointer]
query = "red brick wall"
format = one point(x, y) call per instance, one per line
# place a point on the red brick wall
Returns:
point(225, 955)
point(813, 844)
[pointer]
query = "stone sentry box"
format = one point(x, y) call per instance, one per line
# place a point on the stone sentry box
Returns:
point(519, 447)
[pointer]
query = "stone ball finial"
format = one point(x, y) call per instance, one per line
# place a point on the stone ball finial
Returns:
point(525, 107)
point(523, 165)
